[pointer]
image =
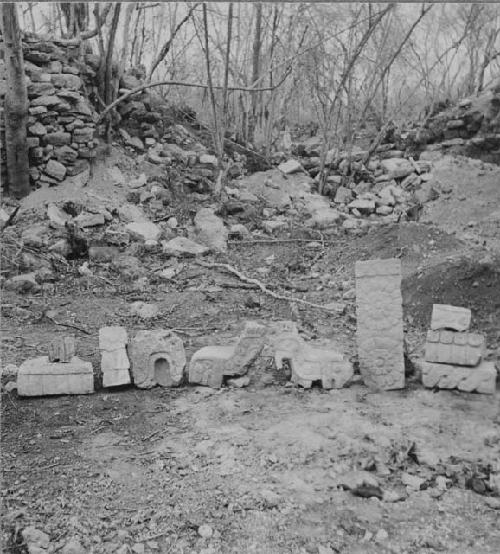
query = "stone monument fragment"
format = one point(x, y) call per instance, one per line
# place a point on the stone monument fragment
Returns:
point(115, 364)
point(449, 347)
point(62, 349)
point(445, 316)
point(39, 376)
point(308, 362)
point(480, 379)
point(157, 358)
point(380, 323)
point(211, 364)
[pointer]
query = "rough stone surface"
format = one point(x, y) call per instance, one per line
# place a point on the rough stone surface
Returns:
point(56, 170)
point(115, 364)
point(308, 362)
point(210, 230)
point(62, 349)
point(380, 323)
point(445, 316)
point(397, 168)
point(143, 230)
point(157, 358)
point(446, 376)
point(209, 365)
point(57, 217)
point(90, 220)
point(144, 310)
point(181, 246)
point(38, 377)
point(290, 166)
point(450, 347)
point(343, 195)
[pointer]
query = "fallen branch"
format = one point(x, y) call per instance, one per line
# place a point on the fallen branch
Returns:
point(262, 287)
point(180, 84)
point(69, 325)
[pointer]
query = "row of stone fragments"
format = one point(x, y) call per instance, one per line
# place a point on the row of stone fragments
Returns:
point(157, 357)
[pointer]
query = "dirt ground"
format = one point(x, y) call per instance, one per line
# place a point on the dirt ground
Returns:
point(196, 470)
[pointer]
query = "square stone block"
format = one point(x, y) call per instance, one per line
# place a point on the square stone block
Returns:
point(62, 349)
point(450, 347)
point(445, 316)
point(445, 376)
point(379, 334)
point(112, 338)
point(157, 358)
point(39, 377)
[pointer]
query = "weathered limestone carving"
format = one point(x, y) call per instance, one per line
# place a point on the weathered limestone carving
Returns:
point(380, 323)
point(445, 376)
point(157, 358)
point(62, 349)
point(38, 377)
point(309, 363)
point(115, 364)
point(449, 347)
point(210, 364)
point(445, 316)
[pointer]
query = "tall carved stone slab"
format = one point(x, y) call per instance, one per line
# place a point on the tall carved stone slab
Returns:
point(115, 364)
point(158, 358)
point(379, 313)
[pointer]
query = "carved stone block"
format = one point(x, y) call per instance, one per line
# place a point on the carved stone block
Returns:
point(115, 364)
point(449, 347)
point(309, 362)
point(210, 364)
point(445, 376)
point(39, 377)
point(158, 358)
point(380, 323)
point(62, 349)
point(445, 316)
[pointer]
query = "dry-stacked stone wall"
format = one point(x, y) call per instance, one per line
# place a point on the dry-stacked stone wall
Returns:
point(61, 128)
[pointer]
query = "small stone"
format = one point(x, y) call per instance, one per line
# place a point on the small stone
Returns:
point(136, 143)
point(270, 226)
point(143, 230)
point(413, 482)
point(183, 247)
point(205, 531)
point(381, 535)
point(10, 386)
point(138, 548)
point(271, 499)
point(35, 537)
point(38, 129)
point(102, 254)
point(239, 382)
point(343, 195)
point(73, 546)
point(210, 230)
point(208, 159)
point(364, 206)
point(22, 283)
point(62, 349)
point(290, 166)
point(90, 220)
point(144, 310)
point(61, 247)
point(55, 169)
point(57, 217)
point(58, 138)
point(139, 182)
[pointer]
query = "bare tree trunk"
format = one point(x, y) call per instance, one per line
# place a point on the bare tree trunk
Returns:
point(225, 108)
point(217, 140)
point(126, 29)
point(16, 103)
point(257, 43)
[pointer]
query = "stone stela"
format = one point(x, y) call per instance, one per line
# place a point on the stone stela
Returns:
point(379, 313)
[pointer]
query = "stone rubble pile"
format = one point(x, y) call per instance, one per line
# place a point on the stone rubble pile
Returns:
point(454, 357)
point(61, 124)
